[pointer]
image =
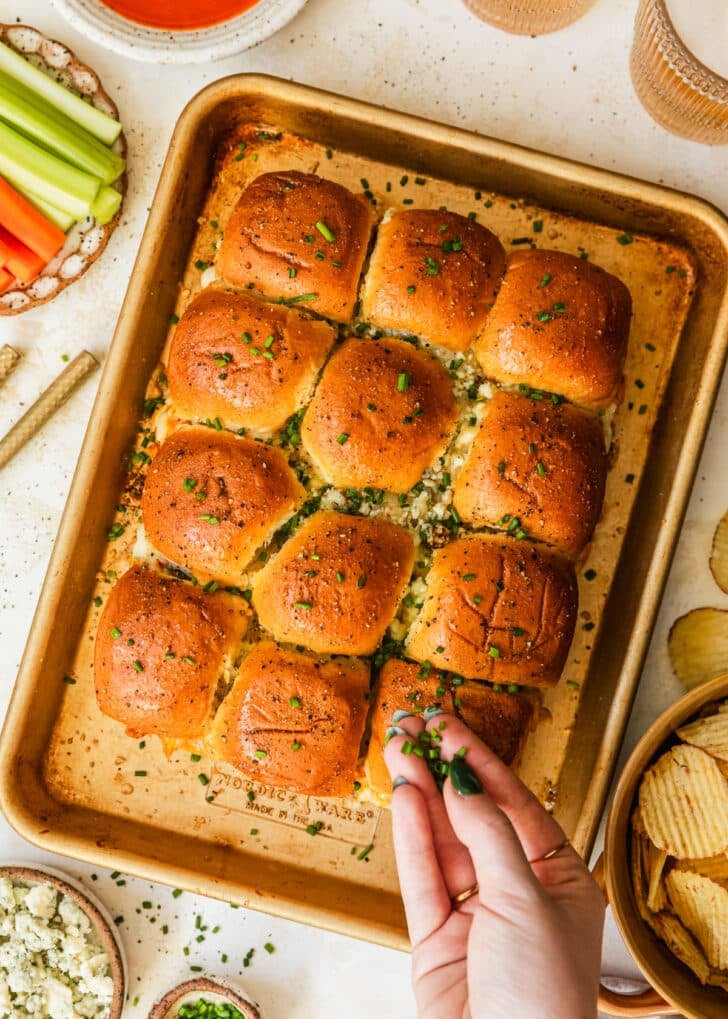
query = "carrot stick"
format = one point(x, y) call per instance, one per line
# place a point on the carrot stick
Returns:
point(19, 259)
point(19, 217)
point(6, 280)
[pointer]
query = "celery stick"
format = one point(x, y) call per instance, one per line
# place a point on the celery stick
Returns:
point(51, 129)
point(31, 167)
point(99, 124)
point(61, 219)
point(105, 205)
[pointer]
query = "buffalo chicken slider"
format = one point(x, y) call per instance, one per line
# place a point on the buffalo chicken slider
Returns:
point(382, 412)
point(559, 324)
point(502, 720)
point(294, 721)
point(297, 237)
point(496, 609)
point(537, 469)
point(336, 585)
point(162, 648)
point(434, 274)
point(211, 499)
point(250, 364)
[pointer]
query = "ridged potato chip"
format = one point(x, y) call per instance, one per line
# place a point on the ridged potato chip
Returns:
point(638, 880)
point(719, 554)
point(709, 733)
point(698, 646)
point(683, 800)
point(681, 943)
point(656, 891)
point(702, 906)
point(718, 979)
point(714, 867)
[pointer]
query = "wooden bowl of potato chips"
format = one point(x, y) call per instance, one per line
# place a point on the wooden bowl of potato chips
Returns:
point(666, 859)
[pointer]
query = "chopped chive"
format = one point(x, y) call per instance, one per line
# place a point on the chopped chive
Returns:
point(115, 531)
point(303, 604)
point(299, 299)
point(361, 580)
point(403, 381)
point(199, 264)
point(403, 180)
point(540, 469)
point(625, 239)
point(325, 232)
point(433, 269)
point(295, 745)
point(629, 478)
point(116, 632)
point(140, 774)
point(189, 484)
point(69, 680)
point(261, 754)
point(188, 660)
point(411, 289)
point(559, 307)
point(545, 279)
point(537, 226)
point(521, 240)
point(329, 154)
point(342, 438)
point(502, 467)
point(340, 576)
point(315, 828)
point(365, 852)
point(295, 702)
point(590, 574)
point(469, 576)
point(209, 518)
point(493, 651)
point(544, 316)
point(420, 180)
point(137, 665)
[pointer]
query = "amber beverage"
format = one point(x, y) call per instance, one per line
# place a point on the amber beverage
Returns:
point(529, 17)
point(680, 92)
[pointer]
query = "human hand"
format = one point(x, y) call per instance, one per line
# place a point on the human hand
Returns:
point(527, 945)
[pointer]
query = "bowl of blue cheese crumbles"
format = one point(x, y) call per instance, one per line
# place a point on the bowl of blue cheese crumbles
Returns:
point(59, 957)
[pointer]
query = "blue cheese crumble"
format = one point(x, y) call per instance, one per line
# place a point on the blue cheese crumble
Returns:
point(51, 965)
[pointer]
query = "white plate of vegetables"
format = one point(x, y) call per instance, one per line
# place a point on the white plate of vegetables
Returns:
point(62, 168)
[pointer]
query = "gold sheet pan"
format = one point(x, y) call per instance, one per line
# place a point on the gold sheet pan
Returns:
point(67, 774)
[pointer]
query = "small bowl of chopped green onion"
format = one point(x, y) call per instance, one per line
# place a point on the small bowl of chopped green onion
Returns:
point(204, 998)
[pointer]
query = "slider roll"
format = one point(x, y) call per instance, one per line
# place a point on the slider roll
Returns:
point(559, 324)
point(211, 499)
point(297, 237)
point(496, 609)
point(433, 274)
point(535, 469)
point(502, 720)
point(335, 586)
point(294, 721)
point(162, 648)
point(381, 414)
point(249, 364)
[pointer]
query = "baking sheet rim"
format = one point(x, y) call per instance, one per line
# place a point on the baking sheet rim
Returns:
point(19, 814)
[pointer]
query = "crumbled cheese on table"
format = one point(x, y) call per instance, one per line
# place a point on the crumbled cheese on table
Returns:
point(51, 965)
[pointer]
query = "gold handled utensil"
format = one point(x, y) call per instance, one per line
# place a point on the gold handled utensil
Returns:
point(49, 401)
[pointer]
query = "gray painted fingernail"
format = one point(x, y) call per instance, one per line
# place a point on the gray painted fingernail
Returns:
point(399, 715)
point(464, 780)
point(392, 731)
point(432, 712)
point(399, 780)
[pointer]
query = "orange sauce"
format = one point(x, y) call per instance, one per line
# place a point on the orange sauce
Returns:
point(179, 15)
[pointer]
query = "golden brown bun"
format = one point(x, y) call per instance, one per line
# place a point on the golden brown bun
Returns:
point(160, 649)
point(249, 491)
point(536, 468)
point(336, 585)
point(558, 324)
point(382, 412)
point(453, 289)
point(222, 363)
point(311, 747)
point(272, 230)
point(497, 609)
point(501, 720)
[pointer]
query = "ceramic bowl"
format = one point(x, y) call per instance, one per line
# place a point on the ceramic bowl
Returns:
point(138, 42)
point(215, 990)
point(669, 978)
point(101, 922)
